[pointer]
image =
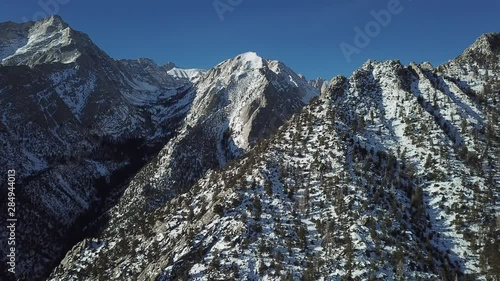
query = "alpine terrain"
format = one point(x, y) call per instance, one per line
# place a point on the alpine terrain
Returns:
point(77, 125)
point(129, 170)
point(391, 174)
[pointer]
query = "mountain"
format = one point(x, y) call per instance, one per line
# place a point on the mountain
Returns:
point(391, 174)
point(477, 66)
point(48, 41)
point(83, 130)
point(75, 125)
point(319, 83)
point(190, 74)
point(237, 103)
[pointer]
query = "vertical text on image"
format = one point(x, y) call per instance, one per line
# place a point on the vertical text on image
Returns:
point(11, 221)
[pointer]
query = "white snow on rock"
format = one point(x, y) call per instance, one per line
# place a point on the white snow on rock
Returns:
point(192, 75)
point(44, 43)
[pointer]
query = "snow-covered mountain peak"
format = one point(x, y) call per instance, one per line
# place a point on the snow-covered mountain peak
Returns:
point(318, 83)
point(335, 87)
point(32, 43)
point(250, 60)
point(237, 67)
point(50, 24)
point(486, 44)
point(192, 75)
point(367, 64)
point(169, 65)
point(337, 79)
point(484, 53)
point(236, 103)
point(372, 69)
point(427, 65)
point(239, 78)
point(244, 61)
point(478, 63)
point(424, 65)
point(370, 64)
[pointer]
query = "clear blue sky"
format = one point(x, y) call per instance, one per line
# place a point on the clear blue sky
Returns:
point(305, 35)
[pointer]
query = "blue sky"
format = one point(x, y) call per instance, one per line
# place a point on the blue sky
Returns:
point(305, 35)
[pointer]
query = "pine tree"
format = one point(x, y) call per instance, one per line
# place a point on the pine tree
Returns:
point(268, 188)
point(257, 207)
point(362, 123)
point(463, 126)
point(428, 161)
point(349, 255)
point(215, 263)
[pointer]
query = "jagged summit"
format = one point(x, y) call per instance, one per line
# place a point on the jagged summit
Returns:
point(370, 63)
point(145, 61)
point(249, 91)
point(336, 86)
point(50, 40)
point(273, 71)
point(169, 65)
point(316, 83)
point(251, 59)
point(191, 74)
point(488, 43)
point(243, 62)
point(54, 21)
point(478, 63)
point(484, 52)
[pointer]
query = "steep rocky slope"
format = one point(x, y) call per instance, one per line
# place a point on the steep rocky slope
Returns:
point(236, 103)
point(392, 174)
point(77, 125)
point(74, 125)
